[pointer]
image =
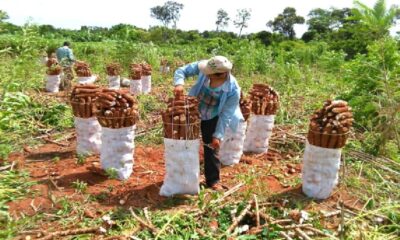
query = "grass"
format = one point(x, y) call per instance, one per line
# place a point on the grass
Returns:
point(14, 185)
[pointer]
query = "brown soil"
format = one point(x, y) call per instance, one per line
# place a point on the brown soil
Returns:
point(59, 163)
point(55, 168)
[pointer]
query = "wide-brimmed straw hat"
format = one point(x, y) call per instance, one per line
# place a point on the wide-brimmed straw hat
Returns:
point(217, 64)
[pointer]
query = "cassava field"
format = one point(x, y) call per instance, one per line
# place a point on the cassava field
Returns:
point(47, 191)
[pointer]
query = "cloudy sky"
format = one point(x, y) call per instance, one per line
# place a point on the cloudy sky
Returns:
point(200, 15)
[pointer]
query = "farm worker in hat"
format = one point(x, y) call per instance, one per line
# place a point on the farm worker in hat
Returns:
point(66, 59)
point(218, 93)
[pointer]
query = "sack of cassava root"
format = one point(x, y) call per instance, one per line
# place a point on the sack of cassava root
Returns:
point(181, 122)
point(328, 132)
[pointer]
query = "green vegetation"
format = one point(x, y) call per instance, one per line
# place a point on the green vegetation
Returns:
point(80, 186)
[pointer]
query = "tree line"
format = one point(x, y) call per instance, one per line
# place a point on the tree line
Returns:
point(347, 29)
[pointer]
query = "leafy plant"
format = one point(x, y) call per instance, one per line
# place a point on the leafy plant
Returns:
point(378, 18)
point(375, 95)
point(13, 186)
point(81, 159)
point(112, 173)
point(80, 186)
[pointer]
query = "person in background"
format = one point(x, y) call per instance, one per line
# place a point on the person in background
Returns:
point(66, 59)
point(218, 93)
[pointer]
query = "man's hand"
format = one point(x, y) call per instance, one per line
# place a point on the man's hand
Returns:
point(178, 91)
point(215, 143)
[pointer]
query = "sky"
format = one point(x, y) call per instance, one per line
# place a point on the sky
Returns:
point(196, 15)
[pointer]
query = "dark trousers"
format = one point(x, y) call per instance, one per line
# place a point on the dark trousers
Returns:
point(211, 160)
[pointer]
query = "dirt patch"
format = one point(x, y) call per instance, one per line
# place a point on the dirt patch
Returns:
point(30, 206)
point(55, 168)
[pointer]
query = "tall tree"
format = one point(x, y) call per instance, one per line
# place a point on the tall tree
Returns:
point(222, 19)
point(285, 21)
point(3, 15)
point(379, 19)
point(169, 12)
point(242, 17)
point(174, 9)
point(322, 22)
point(160, 13)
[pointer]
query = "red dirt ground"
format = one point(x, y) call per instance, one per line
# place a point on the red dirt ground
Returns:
point(52, 161)
point(140, 190)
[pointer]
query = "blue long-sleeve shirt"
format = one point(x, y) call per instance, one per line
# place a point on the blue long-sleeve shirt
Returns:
point(65, 55)
point(228, 109)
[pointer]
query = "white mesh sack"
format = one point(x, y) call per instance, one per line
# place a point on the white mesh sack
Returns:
point(258, 133)
point(87, 80)
point(146, 84)
point(117, 150)
point(182, 165)
point(114, 82)
point(53, 83)
point(320, 170)
point(232, 146)
point(136, 87)
point(88, 135)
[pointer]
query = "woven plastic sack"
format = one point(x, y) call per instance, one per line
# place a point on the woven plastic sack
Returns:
point(88, 136)
point(182, 165)
point(117, 150)
point(136, 87)
point(114, 82)
point(146, 84)
point(231, 148)
point(53, 83)
point(320, 172)
point(258, 133)
point(87, 80)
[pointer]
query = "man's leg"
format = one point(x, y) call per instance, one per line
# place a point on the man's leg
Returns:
point(211, 162)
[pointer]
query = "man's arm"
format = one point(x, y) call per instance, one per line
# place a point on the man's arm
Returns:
point(188, 70)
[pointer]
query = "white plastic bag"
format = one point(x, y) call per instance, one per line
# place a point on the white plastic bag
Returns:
point(320, 170)
point(87, 80)
point(53, 83)
point(136, 87)
point(44, 59)
point(117, 150)
point(114, 82)
point(232, 146)
point(125, 82)
point(88, 135)
point(182, 165)
point(258, 133)
point(146, 84)
point(164, 69)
